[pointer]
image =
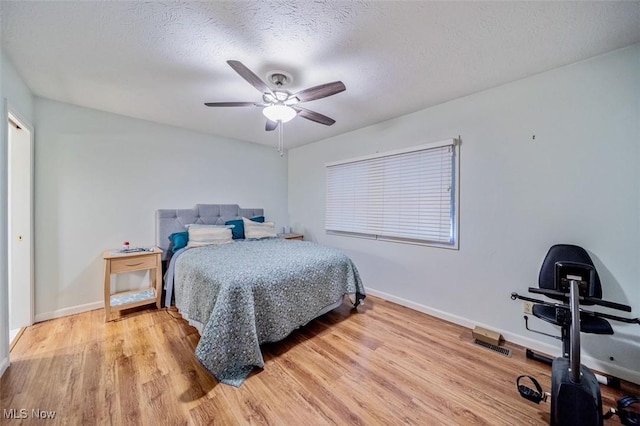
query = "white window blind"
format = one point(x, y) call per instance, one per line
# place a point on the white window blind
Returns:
point(403, 195)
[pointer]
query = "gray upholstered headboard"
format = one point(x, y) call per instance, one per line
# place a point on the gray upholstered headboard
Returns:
point(169, 221)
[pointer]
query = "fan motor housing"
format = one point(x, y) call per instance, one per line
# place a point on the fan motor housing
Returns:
point(279, 78)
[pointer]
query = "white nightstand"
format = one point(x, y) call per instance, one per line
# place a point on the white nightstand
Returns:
point(122, 263)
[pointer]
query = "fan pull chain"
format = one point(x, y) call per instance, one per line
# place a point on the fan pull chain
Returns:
point(281, 138)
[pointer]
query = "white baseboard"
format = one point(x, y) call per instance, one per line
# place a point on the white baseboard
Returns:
point(423, 308)
point(44, 316)
point(535, 345)
point(4, 364)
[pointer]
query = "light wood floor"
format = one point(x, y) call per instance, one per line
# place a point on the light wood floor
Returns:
point(383, 365)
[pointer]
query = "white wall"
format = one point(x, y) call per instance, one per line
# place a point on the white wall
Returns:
point(578, 182)
point(15, 94)
point(101, 177)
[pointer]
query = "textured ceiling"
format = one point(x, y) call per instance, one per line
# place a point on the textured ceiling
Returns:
point(161, 61)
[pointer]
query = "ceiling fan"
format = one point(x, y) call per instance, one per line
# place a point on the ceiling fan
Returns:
point(279, 105)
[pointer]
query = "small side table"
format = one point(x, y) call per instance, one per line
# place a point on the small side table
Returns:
point(291, 236)
point(121, 263)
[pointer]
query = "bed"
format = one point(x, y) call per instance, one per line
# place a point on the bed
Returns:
point(249, 292)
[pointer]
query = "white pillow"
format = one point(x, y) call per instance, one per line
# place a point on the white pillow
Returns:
point(202, 225)
point(257, 230)
point(204, 235)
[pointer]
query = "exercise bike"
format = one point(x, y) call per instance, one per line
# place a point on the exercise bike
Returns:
point(568, 275)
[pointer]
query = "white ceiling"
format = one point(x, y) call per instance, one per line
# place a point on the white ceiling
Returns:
point(161, 61)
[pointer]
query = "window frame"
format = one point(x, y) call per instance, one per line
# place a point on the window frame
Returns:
point(455, 194)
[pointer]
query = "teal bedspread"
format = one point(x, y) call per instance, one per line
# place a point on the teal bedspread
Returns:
point(252, 292)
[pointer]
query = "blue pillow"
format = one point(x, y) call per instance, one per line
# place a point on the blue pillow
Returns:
point(237, 232)
point(179, 240)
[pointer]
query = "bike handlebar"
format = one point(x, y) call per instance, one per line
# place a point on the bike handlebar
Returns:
point(515, 296)
point(592, 300)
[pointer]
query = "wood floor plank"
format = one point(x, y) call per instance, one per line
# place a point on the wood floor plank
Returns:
point(382, 364)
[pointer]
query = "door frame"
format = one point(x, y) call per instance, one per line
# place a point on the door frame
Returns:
point(16, 117)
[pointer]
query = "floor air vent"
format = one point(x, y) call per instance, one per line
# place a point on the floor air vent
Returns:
point(497, 349)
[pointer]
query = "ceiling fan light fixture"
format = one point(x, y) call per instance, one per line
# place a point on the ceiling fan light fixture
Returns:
point(280, 105)
point(291, 100)
point(281, 113)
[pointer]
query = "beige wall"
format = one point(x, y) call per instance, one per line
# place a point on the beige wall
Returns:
point(577, 182)
point(100, 178)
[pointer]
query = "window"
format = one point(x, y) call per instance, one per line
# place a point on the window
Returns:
point(409, 195)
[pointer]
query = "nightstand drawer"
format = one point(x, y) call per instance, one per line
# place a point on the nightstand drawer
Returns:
point(291, 236)
point(130, 264)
